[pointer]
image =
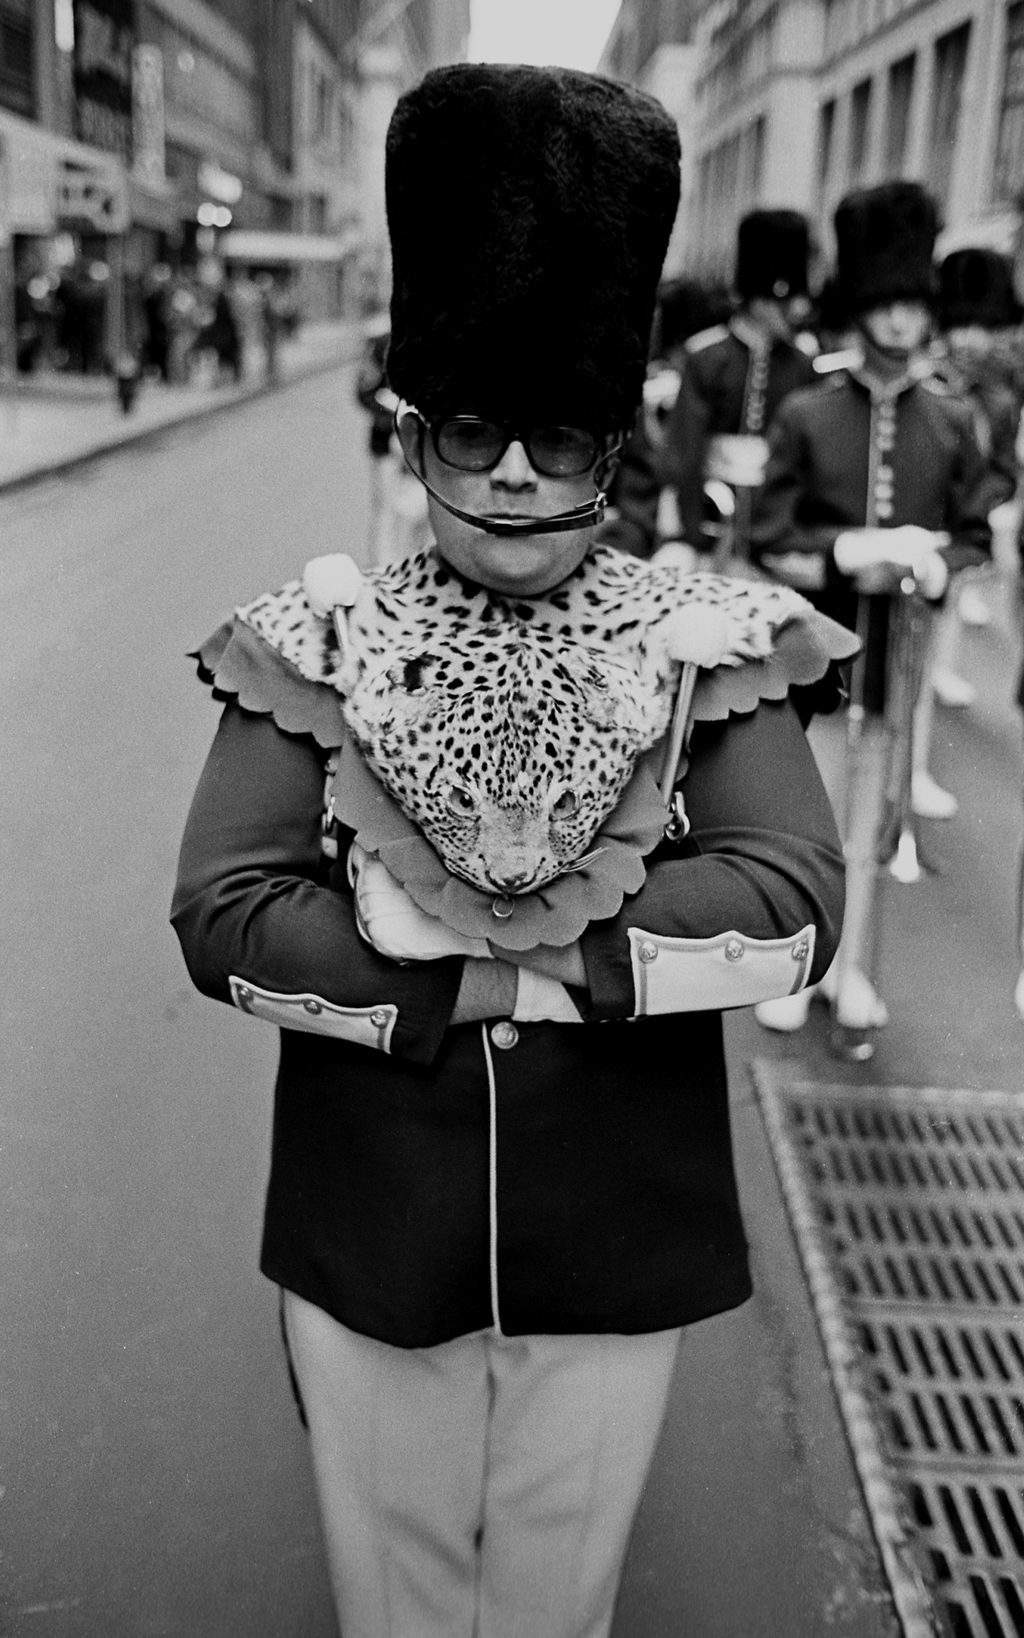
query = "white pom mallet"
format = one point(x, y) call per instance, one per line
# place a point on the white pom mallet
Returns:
point(697, 635)
point(331, 585)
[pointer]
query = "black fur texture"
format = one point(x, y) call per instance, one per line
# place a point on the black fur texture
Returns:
point(885, 244)
point(529, 211)
point(772, 252)
point(976, 287)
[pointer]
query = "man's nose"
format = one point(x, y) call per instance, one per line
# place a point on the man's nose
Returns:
point(514, 471)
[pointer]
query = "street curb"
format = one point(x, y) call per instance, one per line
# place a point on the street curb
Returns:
point(133, 437)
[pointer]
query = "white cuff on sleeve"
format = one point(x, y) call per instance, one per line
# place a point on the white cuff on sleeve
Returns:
point(710, 974)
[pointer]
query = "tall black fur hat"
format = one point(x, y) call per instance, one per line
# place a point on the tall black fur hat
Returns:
point(976, 287)
point(773, 248)
point(885, 244)
point(529, 211)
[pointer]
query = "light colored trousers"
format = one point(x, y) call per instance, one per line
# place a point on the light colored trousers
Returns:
point(485, 1488)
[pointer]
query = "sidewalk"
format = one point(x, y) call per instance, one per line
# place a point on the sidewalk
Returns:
point(50, 425)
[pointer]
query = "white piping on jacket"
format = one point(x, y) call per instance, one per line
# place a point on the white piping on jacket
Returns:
point(492, 1178)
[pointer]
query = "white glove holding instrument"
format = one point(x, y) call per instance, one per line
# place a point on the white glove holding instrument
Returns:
point(738, 459)
point(876, 558)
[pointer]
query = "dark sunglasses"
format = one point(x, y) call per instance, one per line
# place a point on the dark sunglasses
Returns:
point(470, 444)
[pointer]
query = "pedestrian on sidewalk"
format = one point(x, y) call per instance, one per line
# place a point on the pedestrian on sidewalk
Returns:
point(501, 1181)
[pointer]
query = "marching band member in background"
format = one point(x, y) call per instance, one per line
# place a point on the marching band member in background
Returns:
point(501, 1176)
point(642, 513)
point(875, 476)
point(398, 513)
point(977, 306)
point(734, 376)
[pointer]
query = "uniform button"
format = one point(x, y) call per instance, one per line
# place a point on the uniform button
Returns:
point(312, 1006)
point(883, 511)
point(378, 1017)
point(734, 950)
point(799, 951)
point(504, 1035)
point(648, 952)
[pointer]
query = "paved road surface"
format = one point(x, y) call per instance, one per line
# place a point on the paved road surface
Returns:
point(154, 1478)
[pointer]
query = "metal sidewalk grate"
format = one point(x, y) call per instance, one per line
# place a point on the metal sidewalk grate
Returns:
point(908, 1210)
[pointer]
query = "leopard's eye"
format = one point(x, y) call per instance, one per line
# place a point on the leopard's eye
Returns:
point(567, 804)
point(409, 675)
point(460, 801)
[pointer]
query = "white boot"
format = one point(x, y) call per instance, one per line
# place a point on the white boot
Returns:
point(952, 690)
point(928, 798)
point(858, 1003)
point(973, 609)
point(786, 1015)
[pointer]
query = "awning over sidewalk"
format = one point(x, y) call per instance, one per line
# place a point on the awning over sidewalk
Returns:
point(49, 181)
point(266, 247)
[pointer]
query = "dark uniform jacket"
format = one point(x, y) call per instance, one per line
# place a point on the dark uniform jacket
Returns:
point(829, 470)
point(995, 414)
point(429, 1180)
point(718, 394)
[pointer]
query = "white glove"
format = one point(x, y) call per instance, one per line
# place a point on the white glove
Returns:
point(393, 924)
point(737, 459)
point(908, 547)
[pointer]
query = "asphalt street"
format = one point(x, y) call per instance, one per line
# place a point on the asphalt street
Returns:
point(154, 1479)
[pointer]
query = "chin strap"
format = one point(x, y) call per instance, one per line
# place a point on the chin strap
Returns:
point(588, 513)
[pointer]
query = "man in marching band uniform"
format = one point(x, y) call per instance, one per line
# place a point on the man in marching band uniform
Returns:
point(501, 1178)
point(977, 308)
point(876, 482)
point(734, 376)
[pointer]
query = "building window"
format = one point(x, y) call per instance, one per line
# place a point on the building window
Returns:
point(860, 129)
point(897, 130)
point(1008, 178)
point(826, 143)
point(16, 60)
point(950, 66)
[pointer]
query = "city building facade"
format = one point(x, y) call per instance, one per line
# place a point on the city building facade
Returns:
point(651, 45)
point(163, 134)
point(794, 102)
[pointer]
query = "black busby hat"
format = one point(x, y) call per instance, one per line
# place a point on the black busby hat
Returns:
point(529, 211)
point(772, 251)
point(976, 287)
point(685, 307)
point(885, 243)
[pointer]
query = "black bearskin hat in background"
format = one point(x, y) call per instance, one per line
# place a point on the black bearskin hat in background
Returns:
point(685, 307)
point(772, 251)
point(976, 287)
point(529, 211)
point(885, 243)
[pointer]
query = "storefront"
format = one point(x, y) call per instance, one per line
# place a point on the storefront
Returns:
point(64, 207)
point(320, 268)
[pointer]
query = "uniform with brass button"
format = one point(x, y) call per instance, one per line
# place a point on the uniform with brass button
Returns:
point(876, 483)
point(501, 1175)
point(732, 380)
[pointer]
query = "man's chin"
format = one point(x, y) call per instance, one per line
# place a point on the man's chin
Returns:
point(523, 565)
